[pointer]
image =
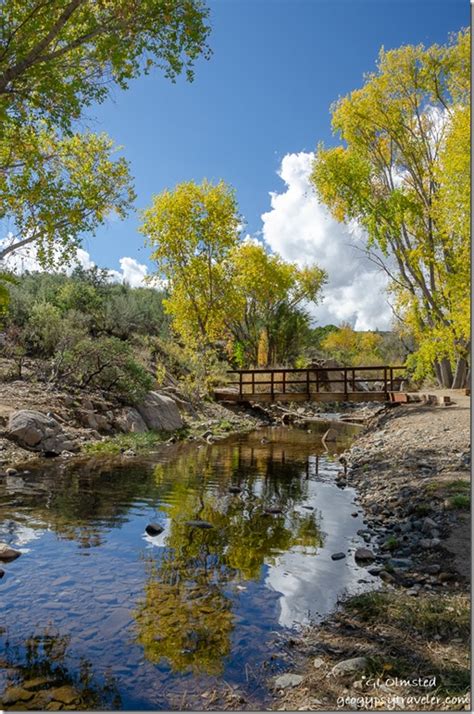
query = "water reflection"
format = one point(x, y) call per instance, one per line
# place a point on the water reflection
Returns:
point(34, 676)
point(191, 605)
point(186, 615)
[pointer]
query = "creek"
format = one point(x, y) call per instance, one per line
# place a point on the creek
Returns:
point(117, 619)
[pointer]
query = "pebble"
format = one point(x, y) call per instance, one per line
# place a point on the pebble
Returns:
point(338, 556)
point(318, 662)
point(364, 555)
point(8, 553)
point(283, 681)
point(348, 666)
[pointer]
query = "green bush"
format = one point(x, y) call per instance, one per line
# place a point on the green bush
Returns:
point(43, 330)
point(106, 363)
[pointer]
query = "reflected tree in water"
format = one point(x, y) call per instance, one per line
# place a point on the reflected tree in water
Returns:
point(186, 616)
point(37, 676)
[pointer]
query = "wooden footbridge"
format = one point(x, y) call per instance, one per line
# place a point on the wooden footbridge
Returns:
point(330, 384)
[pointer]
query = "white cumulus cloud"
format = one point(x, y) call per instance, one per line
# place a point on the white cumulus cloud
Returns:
point(25, 259)
point(301, 229)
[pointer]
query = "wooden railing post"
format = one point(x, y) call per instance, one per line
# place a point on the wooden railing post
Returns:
point(272, 386)
point(317, 380)
point(385, 382)
point(284, 382)
point(307, 384)
point(346, 396)
point(240, 384)
point(253, 382)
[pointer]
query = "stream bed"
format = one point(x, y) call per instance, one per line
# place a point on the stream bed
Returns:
point(98, 614)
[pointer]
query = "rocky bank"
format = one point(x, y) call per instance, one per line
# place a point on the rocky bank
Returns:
point(411, 469)
point(41, 421)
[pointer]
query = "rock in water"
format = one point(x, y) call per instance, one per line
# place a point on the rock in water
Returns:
point(235, 489)
point(154, 529)
point(338, 556)
point(364, 555)
point(2, 573)
point(199, 524)
point(8, 553)
point(273, 511)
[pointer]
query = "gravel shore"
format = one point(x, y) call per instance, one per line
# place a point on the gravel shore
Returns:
point(411, 469)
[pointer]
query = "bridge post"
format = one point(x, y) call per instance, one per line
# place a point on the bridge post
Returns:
point(272, 385)
point(346, 396)
point(307, 384)
point(240, 385)
point(284, 381)
point(385, 386)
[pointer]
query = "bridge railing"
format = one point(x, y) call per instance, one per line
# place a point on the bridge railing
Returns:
point(281, 380)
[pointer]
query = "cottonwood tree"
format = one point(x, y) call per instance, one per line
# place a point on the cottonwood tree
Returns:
point(191, 230)
point(402, 173)
point(57, 58)
point(220, 288)
point(268, 296)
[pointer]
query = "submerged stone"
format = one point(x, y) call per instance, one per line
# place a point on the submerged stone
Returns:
point(338, 556)
point(65, 694)
point(199, 524)
point(16, 694)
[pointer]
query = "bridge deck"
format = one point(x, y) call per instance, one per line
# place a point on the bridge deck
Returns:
point(312, 384)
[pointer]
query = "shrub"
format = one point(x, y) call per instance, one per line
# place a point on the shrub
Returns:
point(43, 329)
point(106, 363)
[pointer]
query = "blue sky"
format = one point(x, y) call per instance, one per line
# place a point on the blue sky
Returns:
point(253, 116)
point(266, 92)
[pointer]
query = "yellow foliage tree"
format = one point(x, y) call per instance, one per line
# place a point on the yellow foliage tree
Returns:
point(402, 173)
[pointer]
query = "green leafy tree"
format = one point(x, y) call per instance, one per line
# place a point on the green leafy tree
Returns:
point(61, 56)
point(57, 188)
point(58, 58)
point(402, 174)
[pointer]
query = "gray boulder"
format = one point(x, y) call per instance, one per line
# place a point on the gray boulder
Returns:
point(130, 420)
point(160, 412)
point(38, 432)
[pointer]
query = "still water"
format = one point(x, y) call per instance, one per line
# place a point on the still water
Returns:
point(112, 618)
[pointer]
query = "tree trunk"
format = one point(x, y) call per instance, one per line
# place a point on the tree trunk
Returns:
point(437, 370)
point(446, 373)
point(459, 381)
